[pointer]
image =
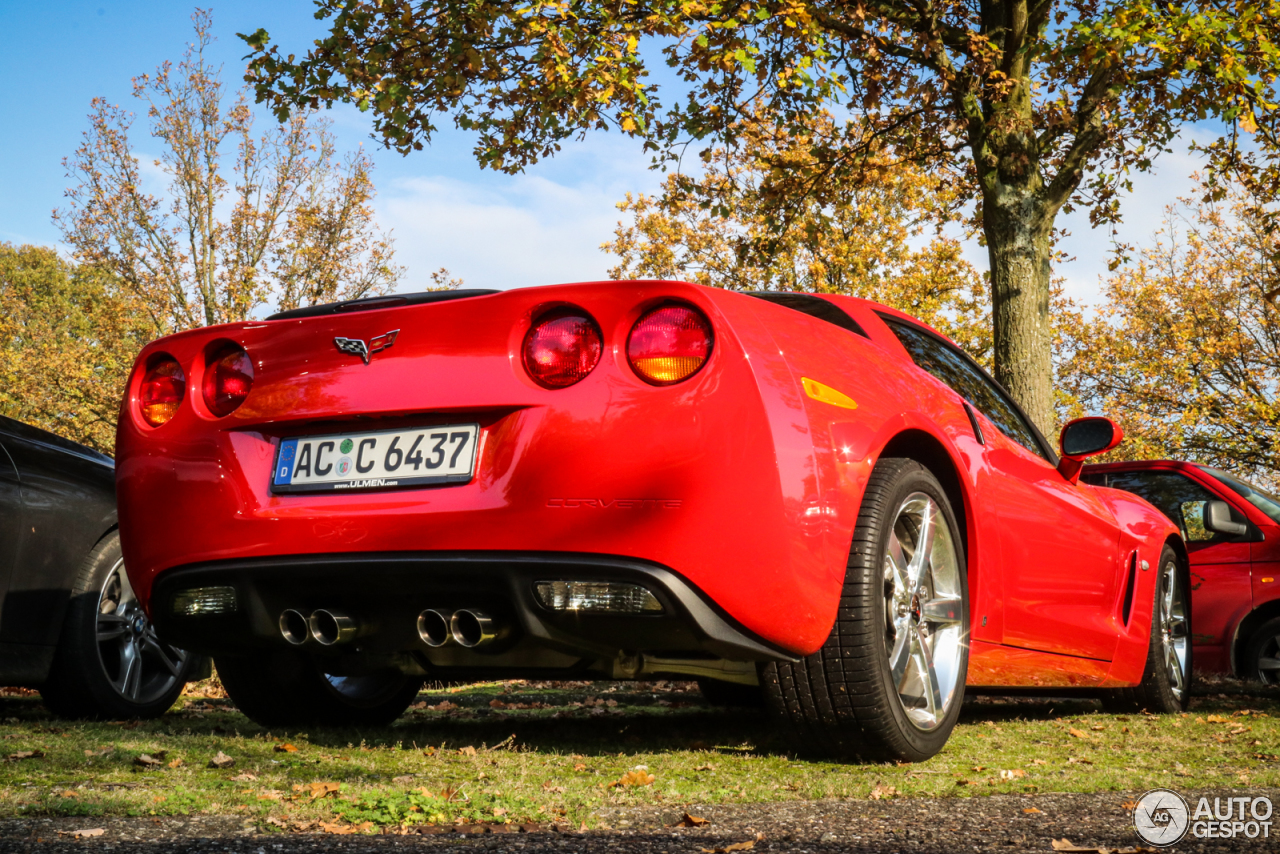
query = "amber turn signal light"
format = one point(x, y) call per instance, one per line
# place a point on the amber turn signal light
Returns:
point(161, 391)
point(669, 344)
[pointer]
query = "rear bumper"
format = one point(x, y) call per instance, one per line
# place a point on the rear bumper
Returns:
point(385, 592)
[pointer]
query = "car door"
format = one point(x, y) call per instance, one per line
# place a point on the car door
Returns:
point(1059, 546)
point(1220, 564)
point(10, 519)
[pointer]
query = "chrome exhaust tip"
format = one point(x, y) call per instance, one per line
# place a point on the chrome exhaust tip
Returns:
point(332, 627)
point(294, 627)
point(473, 628)
point(433, 627)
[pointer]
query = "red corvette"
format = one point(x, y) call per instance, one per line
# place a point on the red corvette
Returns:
point(814, 494)
point(1232, 530)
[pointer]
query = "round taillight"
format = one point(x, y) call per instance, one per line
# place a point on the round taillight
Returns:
point(669, 344)
point(162, 390)
point(562, 348)
point(228, 376)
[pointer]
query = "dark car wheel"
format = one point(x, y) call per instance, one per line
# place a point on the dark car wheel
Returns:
point(1166, 679)
point(889, 681)
point(1262, 658)
point(109, 662)
point(289, 688)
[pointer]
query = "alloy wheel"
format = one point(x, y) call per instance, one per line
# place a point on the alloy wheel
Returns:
point(924, 611)
point(1173, 628)
point(1268, 661)
point(140, 667)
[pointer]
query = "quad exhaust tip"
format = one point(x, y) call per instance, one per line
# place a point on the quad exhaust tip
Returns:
point(332, 627)
point(324, 626)
point(294, 627)
point(466, 627)
point(433, 627)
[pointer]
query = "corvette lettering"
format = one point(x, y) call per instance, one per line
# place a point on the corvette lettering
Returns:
point(606, 503)
point(357, 347)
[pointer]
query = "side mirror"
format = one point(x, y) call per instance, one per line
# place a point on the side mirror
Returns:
point(1084, 438)
point(1217, 518)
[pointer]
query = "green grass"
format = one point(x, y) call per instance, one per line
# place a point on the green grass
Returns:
point(466, 755)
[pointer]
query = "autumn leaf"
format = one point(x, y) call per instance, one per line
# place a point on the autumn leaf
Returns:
point(87, 833)
point(1217, 719)
point(285, 748)
point(68, 793)
point(221, 760)
point(245, 777)
point(467, 751)
point(882, 793)
point(317, 789)
point(1075, 733)
point(149, 761)
point(737, 846)
point(637, 777)
point(1032, 811)
point(1012, 774)
point(580, 767)
point(690, 820)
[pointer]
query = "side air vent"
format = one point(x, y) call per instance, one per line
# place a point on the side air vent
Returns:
point(1128, 586)
point(388, 301)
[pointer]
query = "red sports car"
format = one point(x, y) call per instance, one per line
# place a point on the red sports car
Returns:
point(1232, 530)
point(814, 494)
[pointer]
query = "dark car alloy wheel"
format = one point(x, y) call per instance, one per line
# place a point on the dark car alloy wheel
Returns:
point(140, 667)
point(1263, 660)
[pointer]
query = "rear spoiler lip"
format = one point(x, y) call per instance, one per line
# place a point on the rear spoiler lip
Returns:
point(386, 301)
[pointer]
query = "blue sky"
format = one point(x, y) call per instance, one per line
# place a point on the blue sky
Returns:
point(492, 230)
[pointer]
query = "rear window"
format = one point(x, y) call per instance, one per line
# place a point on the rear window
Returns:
point(812, 306)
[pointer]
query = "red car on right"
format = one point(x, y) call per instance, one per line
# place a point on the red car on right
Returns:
point(1232, 532)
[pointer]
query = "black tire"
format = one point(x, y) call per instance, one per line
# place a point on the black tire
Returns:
point(842, 700)
point(731, 694)
point(1166, 679)
point(109, 663)
point(1262, 655)
point(289, 688)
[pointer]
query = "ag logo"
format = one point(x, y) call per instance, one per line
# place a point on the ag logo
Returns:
point(1161, 817)
point(357, 347)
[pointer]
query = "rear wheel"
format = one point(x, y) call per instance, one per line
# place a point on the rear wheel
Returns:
point(109, 662)
point(1166, 680)
point(289, 688)
point(889, 681)
point(1262, 659)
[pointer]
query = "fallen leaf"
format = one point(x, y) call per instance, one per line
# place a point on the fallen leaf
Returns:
point(318, 789)
point(555, 790)
point(580, 767)
point(1078, 733)
point(1039, 762)
point(103, 752)
point(638, 777)
point(467, 751)
point(27, 754)
point(737, 846)
point(334, 827)
point(688, 820)
point(1097, 727)
point(707, 767)
point(275, 822)
point(968, 783)
point(146, 760)
point(83, 834)
point(1217, 719)
point(1033, 811)
point(1012, 774)
point(67, 793)
point(403, 778)
point(222, 760)
point(245, 777)
point(1130, 805)
point(880, 793)
point(285, 748)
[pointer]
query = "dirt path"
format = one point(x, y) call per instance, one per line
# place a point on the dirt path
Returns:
point(999, 823)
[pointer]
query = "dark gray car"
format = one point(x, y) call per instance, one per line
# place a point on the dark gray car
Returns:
point(69, 622)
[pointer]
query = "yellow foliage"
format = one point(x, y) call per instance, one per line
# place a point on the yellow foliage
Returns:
point(759, 218)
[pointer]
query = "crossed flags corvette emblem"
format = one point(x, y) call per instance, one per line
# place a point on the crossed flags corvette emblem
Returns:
point(357, 347)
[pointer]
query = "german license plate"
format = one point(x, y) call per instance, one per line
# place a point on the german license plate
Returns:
point(387, 459)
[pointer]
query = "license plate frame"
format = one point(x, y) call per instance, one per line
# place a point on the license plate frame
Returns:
point(450, 469)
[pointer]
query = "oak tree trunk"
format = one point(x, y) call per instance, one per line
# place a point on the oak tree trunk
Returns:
point(1019, 249)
